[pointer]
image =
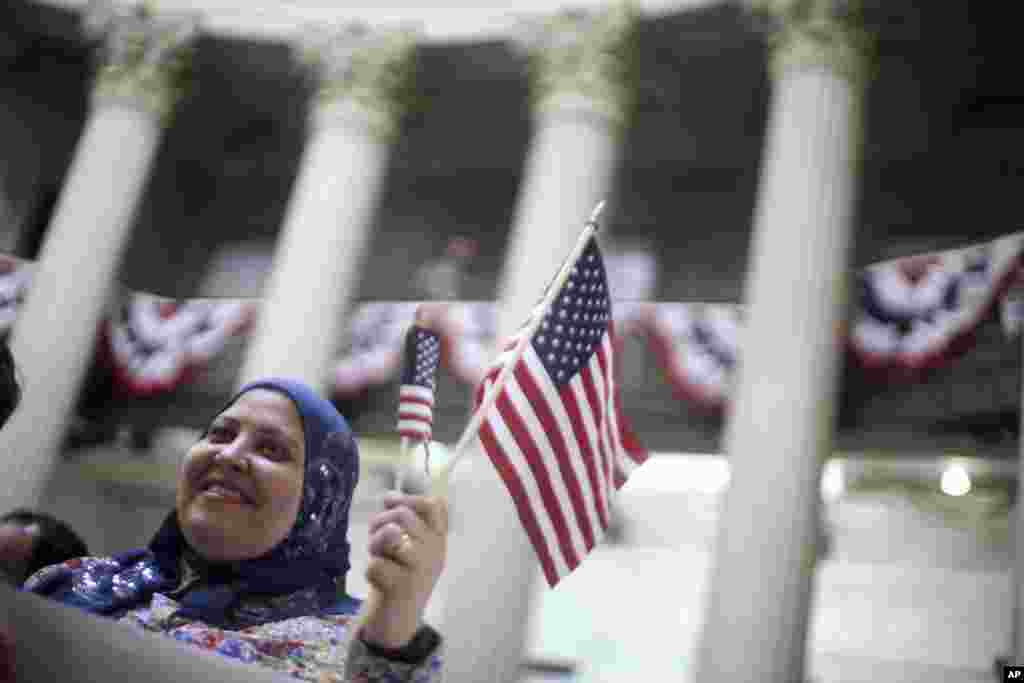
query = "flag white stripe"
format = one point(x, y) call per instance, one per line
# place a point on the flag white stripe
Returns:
point(613, 422)
point(623, 460)
point(415, 427)
point(607, 454)
point(548, 461)
point(416, 393)
point(575, 457)
point(593, 438)
point(614, 435)
point(415, 410)
point(508, 445)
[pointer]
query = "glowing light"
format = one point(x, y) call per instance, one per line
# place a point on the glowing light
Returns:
point(955, 481)
point(833, 481)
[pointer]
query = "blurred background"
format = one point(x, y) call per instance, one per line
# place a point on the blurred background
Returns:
point(920, 496)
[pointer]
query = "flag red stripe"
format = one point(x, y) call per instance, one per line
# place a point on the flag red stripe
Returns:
point(559, 448)
point(521, 499)
point(479, 393)
point(528, 449)
point(481, 389)
point(590, 389)
point(611, 438)
point(402, 415)
point(572, 409)
point(629, 439)
point(420, 401)
point(620, 478)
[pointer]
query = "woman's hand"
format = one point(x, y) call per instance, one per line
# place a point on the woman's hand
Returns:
point(408, 541)
point(15, 543)
point(7, 670)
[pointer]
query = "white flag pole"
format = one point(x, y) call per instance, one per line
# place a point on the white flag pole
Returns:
point(440, 483)
point(404, 459)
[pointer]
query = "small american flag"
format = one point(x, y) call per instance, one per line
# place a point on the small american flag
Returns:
point(416, 395)
point(555, 432)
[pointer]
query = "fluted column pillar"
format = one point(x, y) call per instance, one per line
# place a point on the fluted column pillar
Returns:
point(327, 224)
point(1017, 527)
point(781, 427)
point(580, 88)
point(137, 84)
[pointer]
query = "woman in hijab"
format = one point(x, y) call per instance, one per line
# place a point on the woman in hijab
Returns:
point(252, 562)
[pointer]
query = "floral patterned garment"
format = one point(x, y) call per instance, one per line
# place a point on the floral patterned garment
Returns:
point(315, 648)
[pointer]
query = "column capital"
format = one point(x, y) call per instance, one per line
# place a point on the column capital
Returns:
point(361, 72)
point(814, 34)
point(583, 57)
point(144, 56)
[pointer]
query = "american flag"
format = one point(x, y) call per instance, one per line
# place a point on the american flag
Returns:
point(416, 395)
point(556, 432)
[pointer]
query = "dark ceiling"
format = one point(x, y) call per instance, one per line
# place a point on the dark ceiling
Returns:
point(942, 153)
point(942, 168)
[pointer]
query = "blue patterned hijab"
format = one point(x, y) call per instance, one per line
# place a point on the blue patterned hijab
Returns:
point(302, 575)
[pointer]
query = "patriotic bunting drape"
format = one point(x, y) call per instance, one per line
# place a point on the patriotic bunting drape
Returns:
point(697, 348)
point(916, 313)
point(155, 344)
point(15, 277)
point(375, 333)
point(152, 343)
point(909, 315)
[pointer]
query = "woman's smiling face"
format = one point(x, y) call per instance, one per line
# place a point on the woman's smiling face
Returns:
point(240, 486)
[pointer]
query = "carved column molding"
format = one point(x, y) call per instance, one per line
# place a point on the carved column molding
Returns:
point(817, 33)
point(144, 58)
point(824, 35)
point(362, 75)
point(583, 60)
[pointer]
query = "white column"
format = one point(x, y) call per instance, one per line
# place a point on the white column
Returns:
point(782, 423)
point(327, 224)
point(55, 334)
point(1017, 524)
point(582, 95)
point(580, 89)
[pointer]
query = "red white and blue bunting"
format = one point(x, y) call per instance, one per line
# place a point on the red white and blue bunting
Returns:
point(374, 337)
point(909, 315)
point(1011, 309)
point(918, 313)
point(15, 278)
point(697, 347)
point(156, 344)
point(153, 344)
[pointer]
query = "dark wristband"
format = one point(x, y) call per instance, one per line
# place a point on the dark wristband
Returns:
point(415, 651)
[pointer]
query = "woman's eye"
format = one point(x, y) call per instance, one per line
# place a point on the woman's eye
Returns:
point(218, 434)
point(270, 450)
